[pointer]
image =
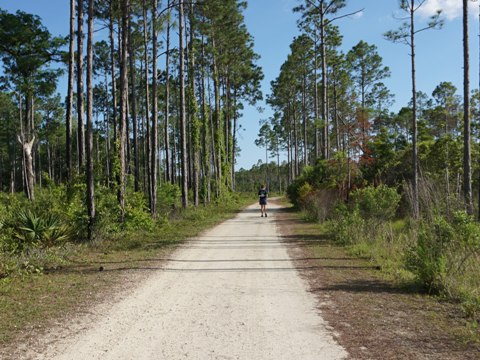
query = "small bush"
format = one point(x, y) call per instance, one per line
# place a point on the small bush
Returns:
point(346, 225)
point(30, 230)
point(168, 196)
point(378, 203)
point(137, 215)
point(445, 255)
point(427, 259)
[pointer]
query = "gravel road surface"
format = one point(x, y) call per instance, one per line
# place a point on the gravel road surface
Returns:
point(232, 293)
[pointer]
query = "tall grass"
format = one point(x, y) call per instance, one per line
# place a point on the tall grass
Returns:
point(440, 250)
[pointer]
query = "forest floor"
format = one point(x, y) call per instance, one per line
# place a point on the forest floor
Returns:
point(373, 317)
point(252, 288)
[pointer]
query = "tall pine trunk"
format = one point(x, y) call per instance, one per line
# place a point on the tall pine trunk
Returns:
point(168, 166)
point(113, 87)
point(80, 96)
point(148, 154)
point(195, 124)
point(218, 126)
point(125, 8)
point(183, 118)
point(467, 158)
point(415, 201)
point(133, 108)
point(89, 133)
point(154, 127)
point(324, 113)
point(206, 138)
point(71, 75)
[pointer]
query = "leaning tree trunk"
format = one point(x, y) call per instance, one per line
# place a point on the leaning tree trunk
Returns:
point(89, 133)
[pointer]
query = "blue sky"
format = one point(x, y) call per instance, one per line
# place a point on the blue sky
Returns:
point(273, 26)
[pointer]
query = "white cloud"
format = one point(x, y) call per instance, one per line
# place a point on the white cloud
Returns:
point(451, 9)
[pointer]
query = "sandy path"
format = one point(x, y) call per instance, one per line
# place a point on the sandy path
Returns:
point(231, 294)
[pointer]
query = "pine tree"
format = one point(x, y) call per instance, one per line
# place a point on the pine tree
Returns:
point(89, 132)
point(406, 35)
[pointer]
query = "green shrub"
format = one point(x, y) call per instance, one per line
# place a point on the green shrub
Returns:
point(168, 196)
point(427, 259)
point(445, 255)
point(346, 225)
point(137, 214)
point(30, 230)
point(378, 203)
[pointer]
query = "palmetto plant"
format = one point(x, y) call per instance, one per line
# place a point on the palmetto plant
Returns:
point(30, 229)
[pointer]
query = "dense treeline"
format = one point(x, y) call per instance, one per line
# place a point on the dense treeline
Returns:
point(154, 99)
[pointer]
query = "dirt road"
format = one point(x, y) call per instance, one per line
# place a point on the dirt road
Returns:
point(233, 293)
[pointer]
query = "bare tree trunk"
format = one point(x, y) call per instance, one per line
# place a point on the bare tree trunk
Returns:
point(147, 108)
point(183, 119)
point(205, 135)
point(195, 126)
point(80, 96)
point(125, 8)
point(133, 102)
point(304, 115)
point(28, 167)
point(295, 139)
point(315, 79)
point(467, 157)
point(168, 167)
point(234, 142)
point(415, 204)
point(89, 133)
point(154, 128)
point(325, 152)
point(114, 85)
point(217, 128)
point(71, 75)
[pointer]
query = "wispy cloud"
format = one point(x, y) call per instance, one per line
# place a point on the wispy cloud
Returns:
point(451, 9)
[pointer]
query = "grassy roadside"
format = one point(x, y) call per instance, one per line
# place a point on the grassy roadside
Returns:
point(373, 316)
point(30, 303)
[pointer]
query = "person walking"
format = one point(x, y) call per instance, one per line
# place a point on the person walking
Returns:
point(262, 195)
